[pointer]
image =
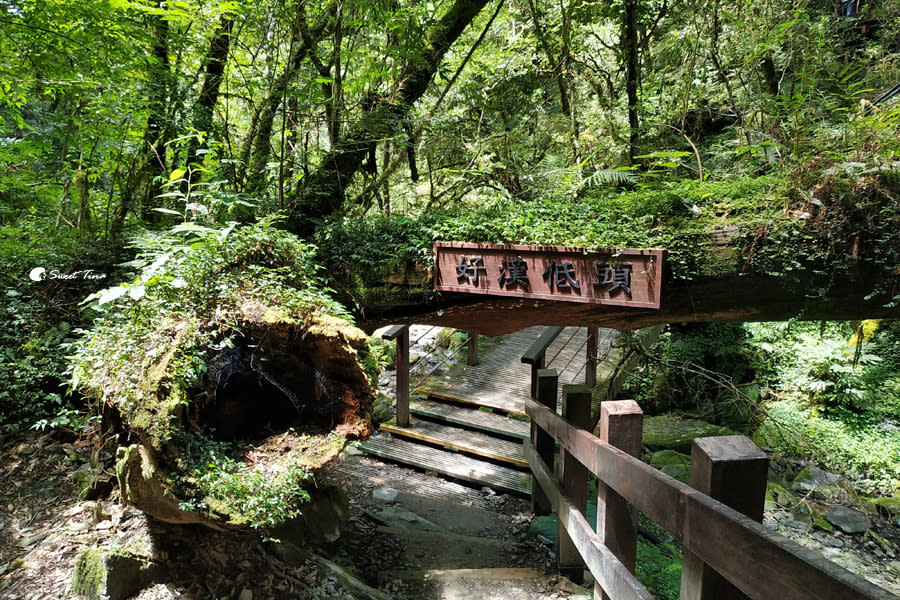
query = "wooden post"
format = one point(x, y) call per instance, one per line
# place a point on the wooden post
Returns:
point(590, 362)
point(472, 349)
point(543, 442)
point(732, 470)
point(621, 425)
point(401, 334)
point(576, 409)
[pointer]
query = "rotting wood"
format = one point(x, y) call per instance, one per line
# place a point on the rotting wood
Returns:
point(607, 570)
point(722, 537)
point(733, 298)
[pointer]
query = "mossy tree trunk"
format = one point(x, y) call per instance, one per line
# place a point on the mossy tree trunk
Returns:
point(323, 191)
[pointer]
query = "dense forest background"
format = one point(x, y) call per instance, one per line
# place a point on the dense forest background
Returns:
point(135, 137)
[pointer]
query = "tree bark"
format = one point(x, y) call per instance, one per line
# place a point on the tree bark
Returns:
point(324, 189)
point(630, 49)
point(209, 93)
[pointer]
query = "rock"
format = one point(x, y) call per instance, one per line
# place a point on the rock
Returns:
point(568, 586)
point(672, 463)
point(824, 485)
point(779, 496)
point(382, 409)
point(385, 493)
point(352, 450)
point(834, 542)
point(890, 506)
point(321, 521)
point(674, 433)
point(112, 574)
point(396, 516)
point(245, 595)
point(848, 519)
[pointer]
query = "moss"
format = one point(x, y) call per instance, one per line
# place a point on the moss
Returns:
point(823, 524)
point(778, 495)
point(672, 463)
point(89, 576)
point(675, 433)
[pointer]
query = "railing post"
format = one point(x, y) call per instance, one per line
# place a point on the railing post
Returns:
point(547, 381)
point(732, 470)
point(401, 334)
point(472, 349)
point(590, 363)
point(621, 425)
point(576, 409)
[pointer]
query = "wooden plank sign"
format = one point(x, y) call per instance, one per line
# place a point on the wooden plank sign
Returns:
point(626, 277)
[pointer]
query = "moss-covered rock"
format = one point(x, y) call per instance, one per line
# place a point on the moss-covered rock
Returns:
point(672, 463)
point(111, 573)
point(677, 433)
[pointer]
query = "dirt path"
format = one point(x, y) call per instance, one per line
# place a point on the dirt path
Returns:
point(472, 546)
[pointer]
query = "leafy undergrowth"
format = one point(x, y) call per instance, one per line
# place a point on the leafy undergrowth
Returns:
point(260, 485)
point(802, 235)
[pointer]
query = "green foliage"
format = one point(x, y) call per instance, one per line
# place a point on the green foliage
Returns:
point(658, 562)
point(867, 453)
point(698, 368)
point(194, 288)
point(246, 493)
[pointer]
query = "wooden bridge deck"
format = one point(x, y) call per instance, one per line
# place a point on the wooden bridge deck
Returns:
point(500, 381)
point(468, 422)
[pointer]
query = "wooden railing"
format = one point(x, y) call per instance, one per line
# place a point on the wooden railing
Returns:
point(728, 552)
point(400, 334)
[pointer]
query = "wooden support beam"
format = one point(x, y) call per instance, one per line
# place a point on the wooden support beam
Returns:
point(590, 359)
point(621, 425)
point(732, 470)
point(400, 333)
point(472, 349)
point(547, 381)
point(576, 409)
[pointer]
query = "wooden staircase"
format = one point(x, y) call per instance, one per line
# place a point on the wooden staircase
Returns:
point(461, 442)
point(471, 423)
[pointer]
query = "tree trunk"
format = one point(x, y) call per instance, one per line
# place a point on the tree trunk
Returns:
point(323, 192)
point(152, 157)
point(631, 49)
point(262, 134)
point(209, 93)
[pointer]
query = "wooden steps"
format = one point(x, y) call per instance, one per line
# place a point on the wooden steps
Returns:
point(472, 419)
point(452, 464)
point(470, 442)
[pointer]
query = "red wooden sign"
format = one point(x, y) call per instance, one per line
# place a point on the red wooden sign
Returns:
point(621, 277)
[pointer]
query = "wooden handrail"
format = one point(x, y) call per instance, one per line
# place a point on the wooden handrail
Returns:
point(760, 562)
point(535, 353)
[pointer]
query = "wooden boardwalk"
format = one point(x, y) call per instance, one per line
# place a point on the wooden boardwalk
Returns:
point(501, 380)
point(468, 422)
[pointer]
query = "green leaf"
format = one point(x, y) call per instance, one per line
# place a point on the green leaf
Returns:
point(177, 174)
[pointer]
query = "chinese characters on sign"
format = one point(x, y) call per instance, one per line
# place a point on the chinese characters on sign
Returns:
point(621, 277)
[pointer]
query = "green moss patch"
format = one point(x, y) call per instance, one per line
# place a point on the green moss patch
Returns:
point(677, 433)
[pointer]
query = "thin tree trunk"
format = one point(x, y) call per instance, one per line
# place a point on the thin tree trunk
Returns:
point(214, 68)
point(632, 74)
